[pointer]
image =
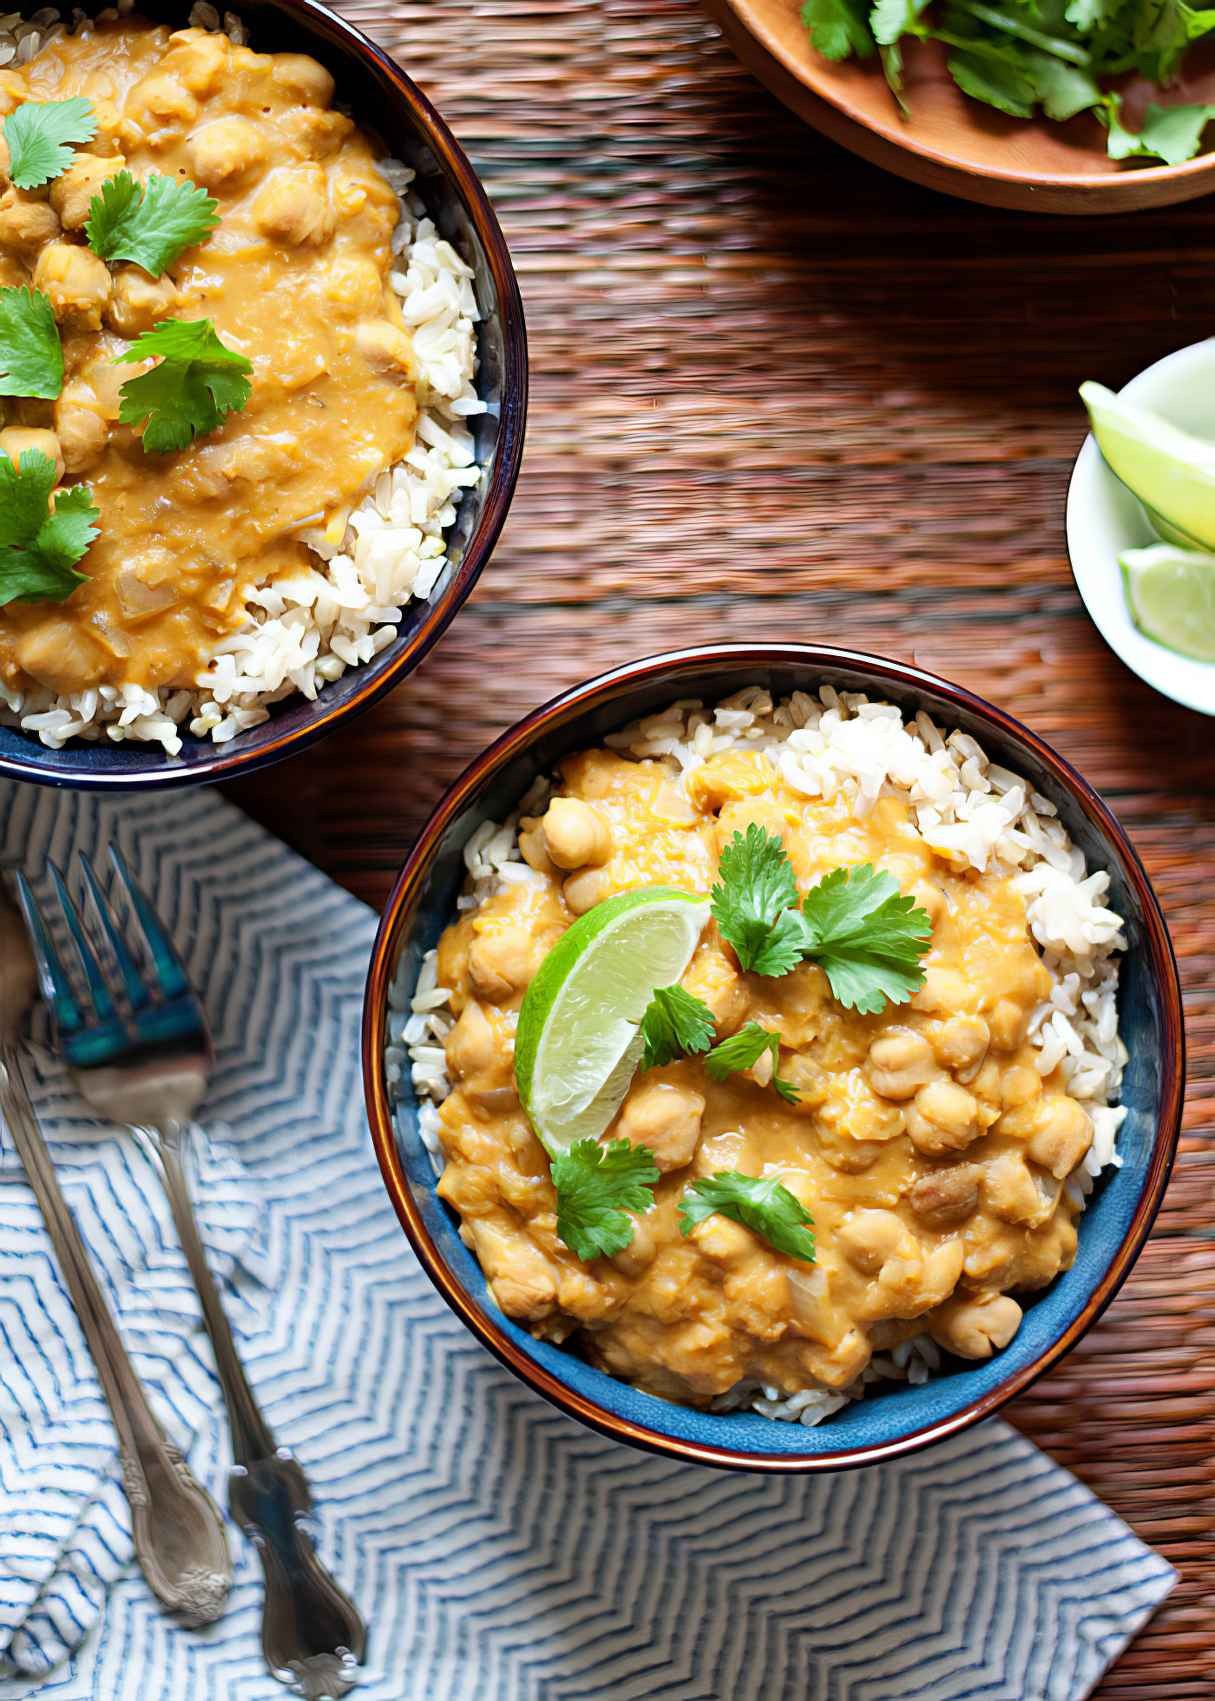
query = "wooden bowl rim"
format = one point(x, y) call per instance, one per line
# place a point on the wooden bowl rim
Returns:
point(572, 705)
point(901, 136)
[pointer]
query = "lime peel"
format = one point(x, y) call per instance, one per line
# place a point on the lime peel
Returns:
point(1171, 471)
point(578, 1039)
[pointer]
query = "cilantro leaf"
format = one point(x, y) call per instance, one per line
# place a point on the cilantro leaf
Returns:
point(151, 224)
point(39, 138)
point(754, 885)
point(198, 382)
point(674, 1024)
point(31, 355)
point(40, 544)
point(838, 28)
point(867, 938)
point(762, 1204)
point(1170, 133)
point(891, 19)
point(597, 1186)
point(744, 1049)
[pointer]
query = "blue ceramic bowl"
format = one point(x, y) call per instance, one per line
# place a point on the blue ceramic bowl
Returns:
point(375, 88)
point(895, 1419)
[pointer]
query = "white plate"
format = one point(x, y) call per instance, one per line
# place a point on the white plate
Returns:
point(1103, 519)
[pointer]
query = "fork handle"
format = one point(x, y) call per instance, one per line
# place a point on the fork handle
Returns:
point(312, 1635)
point(177, 1528)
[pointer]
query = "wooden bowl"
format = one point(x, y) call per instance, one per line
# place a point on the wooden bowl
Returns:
point(951, 142)
point(1112, 1230)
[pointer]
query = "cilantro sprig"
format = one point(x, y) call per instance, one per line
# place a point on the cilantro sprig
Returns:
point(40, 543)
point(1021, 56)
point(31, 354)
point(151, 224)
point(760, 1203)
point(40, 138)
point(597, 1187)
point(675, 1024)
point(855, 924)
point(743, 1050)
point(198, 382)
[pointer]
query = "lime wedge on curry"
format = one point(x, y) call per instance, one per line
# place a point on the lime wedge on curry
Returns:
point(577, 1044)
point(1169, 470)
point(1171, 595)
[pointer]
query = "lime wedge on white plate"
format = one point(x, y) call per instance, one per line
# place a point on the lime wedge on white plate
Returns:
point(1171, 595)
point(577, 1044)
point(1169, 470)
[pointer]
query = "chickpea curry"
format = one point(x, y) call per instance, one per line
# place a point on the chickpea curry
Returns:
point(294, 276)
point(924, 1142)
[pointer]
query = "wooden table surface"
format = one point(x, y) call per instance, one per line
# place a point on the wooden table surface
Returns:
point(778, 394)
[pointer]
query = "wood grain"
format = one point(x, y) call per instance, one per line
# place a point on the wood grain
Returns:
point(779, 393)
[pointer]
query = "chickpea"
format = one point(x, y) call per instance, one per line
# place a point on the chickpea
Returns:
point(80, 425)
point(665, 1118)
point(472, 1045)
point(531, 845)
point(386, 347)
point(1014, 1194)
point(293, 208)
point(519, 1274)
point(930, 898)
point(943, 989)
point(1008, 1024)
point(26, 224)
point(723, 1241)
point(869, 1238)
point(960, 1043)
point(575, 834)
point(501, 962)
point(586, 889)
point(225, 151)
point(199, 58)
point(60, 654)
point(714, 978)
point(72, 194)
point(641, 1251)
point(945, 1197)
point(302, 78)
point(18, 440)
point(1019, 1086)
point(975, 1328)
point(1064, 1134)
point(900, 1062)
point(137, 302)
point(76, 282)
point(165, 100)
point(944, 1118)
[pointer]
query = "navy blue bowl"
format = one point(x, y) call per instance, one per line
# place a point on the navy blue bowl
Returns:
point(384, 100)
point(897, 1418)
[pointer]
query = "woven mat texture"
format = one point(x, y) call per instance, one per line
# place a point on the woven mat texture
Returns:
point(779, 394)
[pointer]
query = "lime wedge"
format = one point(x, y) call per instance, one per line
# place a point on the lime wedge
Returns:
point(1169, 470)
point(1171, 595)
point(577, 1044)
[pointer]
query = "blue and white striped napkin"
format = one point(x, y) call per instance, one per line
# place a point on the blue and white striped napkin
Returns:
point(499, 1551)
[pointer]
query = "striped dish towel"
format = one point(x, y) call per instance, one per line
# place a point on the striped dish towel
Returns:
point(499, 1551)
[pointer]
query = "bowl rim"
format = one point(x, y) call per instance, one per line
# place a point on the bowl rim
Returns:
point(902, 139)
point(224, 762)
point(571, 705)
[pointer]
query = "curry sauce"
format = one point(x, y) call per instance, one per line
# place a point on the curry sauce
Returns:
point(929, 1150)
point(295, 277)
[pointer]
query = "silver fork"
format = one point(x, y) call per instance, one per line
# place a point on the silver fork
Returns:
point(137, 1043)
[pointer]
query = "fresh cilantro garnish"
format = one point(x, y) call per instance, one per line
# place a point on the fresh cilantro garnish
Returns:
point(866, 937)
point(40, 544)
point(763, 1205)
point(151, 224)
point(31, 355)
point(755, 887)
point(597, 1186)
point(1022, 56)
point(39, 139)
point(674, 1024)
point(196, 385)
point(744, 1049)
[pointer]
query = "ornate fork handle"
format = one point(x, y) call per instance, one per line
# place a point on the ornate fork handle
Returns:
point(312, 1635)
point(178, 1532)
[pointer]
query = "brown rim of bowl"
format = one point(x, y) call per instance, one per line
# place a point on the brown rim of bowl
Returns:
point(231, 760)
point(560, 712)
point(1123, 191)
